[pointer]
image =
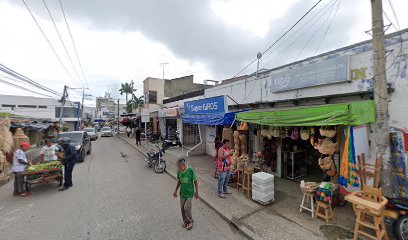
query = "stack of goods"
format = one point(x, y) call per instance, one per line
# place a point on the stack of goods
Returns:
point(241, 161)
point(54, 165)
point(263, 190)
point(326, 193)
point(308, 187)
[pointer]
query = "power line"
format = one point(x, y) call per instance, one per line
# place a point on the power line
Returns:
point(25, 79)
point(48, 41)
point(23, 88)
point(283, 35)
point(394, 13)
point(73, 43)
point(62, 42)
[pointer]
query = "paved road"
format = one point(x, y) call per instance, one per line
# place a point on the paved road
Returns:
point(112, 198)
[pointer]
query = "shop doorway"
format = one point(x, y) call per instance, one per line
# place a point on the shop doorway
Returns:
point(171, 128)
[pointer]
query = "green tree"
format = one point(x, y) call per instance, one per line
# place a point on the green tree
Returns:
point(135, 102)
point(127, 88)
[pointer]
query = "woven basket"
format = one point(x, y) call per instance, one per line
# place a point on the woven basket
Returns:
point(325, 163)
point(327, 147)
point(329, 133)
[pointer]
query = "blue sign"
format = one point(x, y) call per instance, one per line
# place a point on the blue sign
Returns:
point(206, 106)
point(319, 73)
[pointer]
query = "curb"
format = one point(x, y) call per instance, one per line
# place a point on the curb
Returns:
point(234, 222)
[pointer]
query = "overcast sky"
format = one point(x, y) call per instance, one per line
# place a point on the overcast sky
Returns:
point(120, 40)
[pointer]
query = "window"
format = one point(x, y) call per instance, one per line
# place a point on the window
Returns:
point(42, 106)
point(8, 105)
point(152, 96)
point(27, 106)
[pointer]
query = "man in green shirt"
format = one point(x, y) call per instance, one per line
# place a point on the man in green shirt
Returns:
point(187, 182)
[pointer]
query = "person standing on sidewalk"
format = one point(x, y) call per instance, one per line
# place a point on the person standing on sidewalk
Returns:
point(128, 131)
point(19, 165)
point(138, 133)
point(187, 182)
point(224, 166)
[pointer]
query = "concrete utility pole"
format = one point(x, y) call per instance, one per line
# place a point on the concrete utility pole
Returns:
point(118, 116)
point(64, 95)
point(382, 135)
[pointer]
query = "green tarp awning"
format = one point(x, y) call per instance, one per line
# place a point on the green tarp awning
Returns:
point(352, 114)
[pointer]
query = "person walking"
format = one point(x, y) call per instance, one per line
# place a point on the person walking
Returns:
point(224, 166)
point(20, 163)
point(187, 182)
point(49, 152)
point(69, 160)
point(128, 131)
point(138, 133)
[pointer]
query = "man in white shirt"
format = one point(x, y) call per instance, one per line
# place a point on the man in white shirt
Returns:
point(49, 152)
point(19, 165)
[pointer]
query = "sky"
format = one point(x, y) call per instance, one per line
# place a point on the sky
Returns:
point(123, 40)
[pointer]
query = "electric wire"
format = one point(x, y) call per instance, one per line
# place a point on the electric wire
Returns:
point(48, 41)
point(395, 14)
point(279, 38)
point(62, 41)
point(73, 43)
point(25, 79)
point(23, 88)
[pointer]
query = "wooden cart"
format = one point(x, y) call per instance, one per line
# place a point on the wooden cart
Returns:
point(42, 176)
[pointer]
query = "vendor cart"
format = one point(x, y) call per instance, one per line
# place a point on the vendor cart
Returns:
point(42, 176)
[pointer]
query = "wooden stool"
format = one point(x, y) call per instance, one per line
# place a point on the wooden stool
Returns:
point(309, 199)
point(327, 212)
point(246, 183)
point(239, 180)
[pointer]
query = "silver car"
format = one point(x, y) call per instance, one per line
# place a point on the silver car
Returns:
point(91, 133)
point(106, 132)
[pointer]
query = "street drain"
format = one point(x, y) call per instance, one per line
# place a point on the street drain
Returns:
point(335, 232)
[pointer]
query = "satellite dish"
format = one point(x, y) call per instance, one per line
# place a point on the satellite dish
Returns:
point(259, 55)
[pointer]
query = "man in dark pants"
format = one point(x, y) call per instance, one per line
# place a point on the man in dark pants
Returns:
point(69, 160)
point(138, 133)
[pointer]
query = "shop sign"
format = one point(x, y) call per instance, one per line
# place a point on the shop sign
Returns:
point(206, 106)
point(145, 115)
point(323, 72)
point(169, 112)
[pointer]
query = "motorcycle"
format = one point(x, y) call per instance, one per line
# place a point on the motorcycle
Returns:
point(155, 159)
point(154, 138)
point(397, 210)
point(171, 142)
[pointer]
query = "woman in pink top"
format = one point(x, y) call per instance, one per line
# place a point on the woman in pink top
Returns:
point(224, 166)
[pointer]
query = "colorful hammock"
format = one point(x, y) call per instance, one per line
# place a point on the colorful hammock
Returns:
point(348, 171)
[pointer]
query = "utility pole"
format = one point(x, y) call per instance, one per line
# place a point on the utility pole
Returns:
point(64, 95)
point(382, 135)
point(118, 116)
point(162, 64)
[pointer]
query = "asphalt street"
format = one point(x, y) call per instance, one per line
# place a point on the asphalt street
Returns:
point(113, 197)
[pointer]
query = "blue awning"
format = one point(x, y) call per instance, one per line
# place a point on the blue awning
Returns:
point(225, 119)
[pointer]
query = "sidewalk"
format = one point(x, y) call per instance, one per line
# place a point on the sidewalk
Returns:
point(279, 220)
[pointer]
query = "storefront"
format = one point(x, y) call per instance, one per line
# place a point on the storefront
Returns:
point(311, 143)
point(168, 122)
point(203, 121)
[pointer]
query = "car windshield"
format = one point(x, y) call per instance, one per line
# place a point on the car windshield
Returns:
point(89, 129)
point(106, 129)
point(75, 137)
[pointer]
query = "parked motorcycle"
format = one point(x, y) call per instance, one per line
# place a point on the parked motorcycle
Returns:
point(171, 142)
point(155, 159)
point(397, 210)
point(154, 138)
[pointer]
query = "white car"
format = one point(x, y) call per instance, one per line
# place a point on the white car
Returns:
point(106, 132)
point(91, 133)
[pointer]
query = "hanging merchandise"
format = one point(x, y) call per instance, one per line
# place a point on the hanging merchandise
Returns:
point(325, 162)
point(276, 132)
point(328, 132)
point(243, 126)
point(312, 136)
point(348, 171)
point(243, 141)
point(304, 134)
point(326, 146)
point(287, 132)
point(295, 134)
point(264, 132)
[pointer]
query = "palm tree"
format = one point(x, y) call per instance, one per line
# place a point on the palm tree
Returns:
point(127, 88)
point(135, 102)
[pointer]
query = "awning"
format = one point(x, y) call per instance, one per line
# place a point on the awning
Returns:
point(352, 114)
point(224, 119)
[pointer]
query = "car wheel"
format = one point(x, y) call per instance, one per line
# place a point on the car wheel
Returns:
point(82, 156)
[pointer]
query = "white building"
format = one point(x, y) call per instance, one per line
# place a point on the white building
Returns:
point(42, 108)
point(106, 108)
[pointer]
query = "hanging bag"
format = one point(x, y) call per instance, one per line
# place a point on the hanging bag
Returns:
point(327, 132)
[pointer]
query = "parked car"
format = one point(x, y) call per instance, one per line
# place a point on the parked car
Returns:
point(81, 141)
point(106, 132)
point(91, 133)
